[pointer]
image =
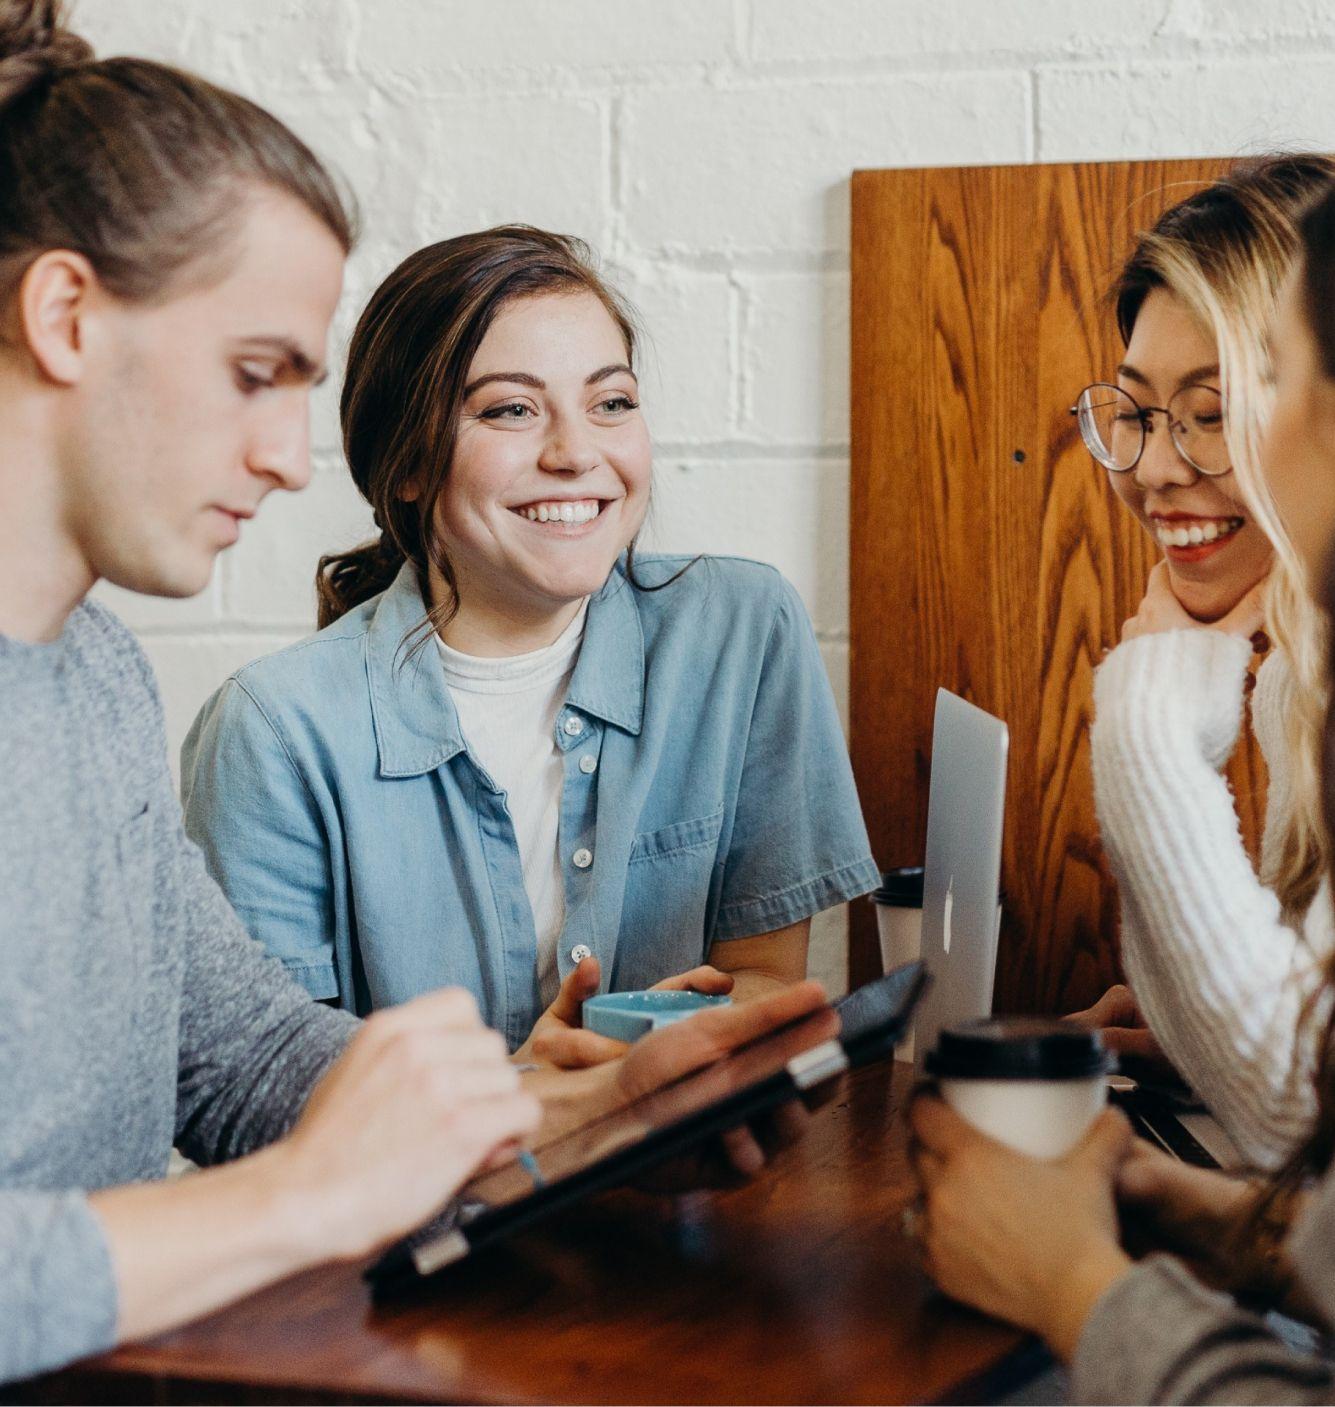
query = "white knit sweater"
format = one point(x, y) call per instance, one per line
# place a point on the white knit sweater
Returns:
point(1220, 973)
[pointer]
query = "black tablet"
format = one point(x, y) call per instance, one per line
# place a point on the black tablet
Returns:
point(788, 1063)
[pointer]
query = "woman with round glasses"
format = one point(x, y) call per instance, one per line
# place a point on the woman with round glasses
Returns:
point(1187, 447)
point(1038, 1243)
point(1221, 959)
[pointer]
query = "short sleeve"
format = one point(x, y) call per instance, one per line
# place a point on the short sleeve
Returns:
point(249, 810)
point(798, 843)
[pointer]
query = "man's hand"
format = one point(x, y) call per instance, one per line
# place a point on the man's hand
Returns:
point(1032, 1242)
point(690, 1045)
point(572, 1098)
point(557, 1037)
point(423, 1096)
point(1193, 1212)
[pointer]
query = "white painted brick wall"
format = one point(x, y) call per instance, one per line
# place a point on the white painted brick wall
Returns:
point(704, 146)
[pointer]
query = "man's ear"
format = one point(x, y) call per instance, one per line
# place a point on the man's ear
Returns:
point(54, 297)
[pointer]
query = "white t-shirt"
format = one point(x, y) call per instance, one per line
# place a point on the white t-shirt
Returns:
point(507, 713)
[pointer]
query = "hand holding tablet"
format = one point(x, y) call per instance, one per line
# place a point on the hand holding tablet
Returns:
point(662, 1108)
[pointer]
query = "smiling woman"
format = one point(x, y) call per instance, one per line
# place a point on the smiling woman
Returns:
point(1160, 434)
point(1221, 960)
point(549, 481)
point(519, 757)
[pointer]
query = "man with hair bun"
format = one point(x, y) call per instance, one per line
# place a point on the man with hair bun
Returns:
point(170, 259)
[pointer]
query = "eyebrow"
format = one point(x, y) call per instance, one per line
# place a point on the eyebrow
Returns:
point(1197, 373)
point(611, 369)
point(525, 378)
point(296, 360)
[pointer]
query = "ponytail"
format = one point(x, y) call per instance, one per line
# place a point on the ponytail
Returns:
point(346, 579)
point(35, 48)
point(139, 167)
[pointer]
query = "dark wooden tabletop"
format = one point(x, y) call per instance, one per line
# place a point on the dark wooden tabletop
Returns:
point(797, 1288)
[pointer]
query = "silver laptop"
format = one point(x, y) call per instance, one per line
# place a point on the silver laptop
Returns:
point(966, 810)
point(961, 915)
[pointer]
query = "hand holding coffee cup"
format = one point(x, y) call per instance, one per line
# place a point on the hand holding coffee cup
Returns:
point(1035, 1085)
point(1028, 1239)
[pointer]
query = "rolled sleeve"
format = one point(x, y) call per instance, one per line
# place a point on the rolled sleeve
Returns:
point(249, 810)
point(798, 844)
point(57, 1286)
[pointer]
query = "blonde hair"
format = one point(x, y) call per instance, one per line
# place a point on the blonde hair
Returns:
point(1225, 252)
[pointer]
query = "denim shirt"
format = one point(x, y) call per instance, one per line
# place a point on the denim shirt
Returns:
point(707, 796)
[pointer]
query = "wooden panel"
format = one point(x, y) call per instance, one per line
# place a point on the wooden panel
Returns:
point(988, 553)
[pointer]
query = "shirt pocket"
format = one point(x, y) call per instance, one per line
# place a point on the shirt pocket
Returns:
point(677, 839)
point(668, 885)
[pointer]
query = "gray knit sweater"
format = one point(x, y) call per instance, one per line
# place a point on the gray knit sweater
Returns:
point(135, 1012)
point(1160, 1336)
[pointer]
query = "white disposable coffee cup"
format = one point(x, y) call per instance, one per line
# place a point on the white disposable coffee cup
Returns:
point(899, 926)
point(1035, 1085)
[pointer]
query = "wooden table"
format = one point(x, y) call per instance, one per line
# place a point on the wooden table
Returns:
point(797, 1288)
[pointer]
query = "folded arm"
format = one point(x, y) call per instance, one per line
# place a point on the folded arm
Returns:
point(1223, 981)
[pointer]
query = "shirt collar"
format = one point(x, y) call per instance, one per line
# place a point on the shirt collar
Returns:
point(608, 682)
point(416, 722)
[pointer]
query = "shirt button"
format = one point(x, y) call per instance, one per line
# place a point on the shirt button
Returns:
point(588, 763)
point(573, 726)
point(582, 858)
point(579, 952)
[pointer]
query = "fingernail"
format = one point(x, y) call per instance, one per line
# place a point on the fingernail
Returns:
point(1248, 683)
point(1260, 642)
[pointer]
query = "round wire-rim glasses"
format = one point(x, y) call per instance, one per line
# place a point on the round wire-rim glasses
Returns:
point(1115, 426)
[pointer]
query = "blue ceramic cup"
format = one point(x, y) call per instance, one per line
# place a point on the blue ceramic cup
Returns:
point(626, 1016)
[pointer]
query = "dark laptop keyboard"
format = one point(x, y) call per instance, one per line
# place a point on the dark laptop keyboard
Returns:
point(1154, 1118)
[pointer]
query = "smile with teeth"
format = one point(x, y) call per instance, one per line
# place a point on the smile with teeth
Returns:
point(1202, 530)
point(582, 510)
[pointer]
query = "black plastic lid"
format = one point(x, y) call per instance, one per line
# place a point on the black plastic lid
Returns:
point(1019, 1048)
point(900, 889)
point(903, 888)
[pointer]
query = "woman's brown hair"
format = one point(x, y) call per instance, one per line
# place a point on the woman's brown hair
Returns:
point(407, 370)
point(138, 166)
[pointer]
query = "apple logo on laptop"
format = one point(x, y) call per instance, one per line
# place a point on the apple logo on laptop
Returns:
point(945, 917)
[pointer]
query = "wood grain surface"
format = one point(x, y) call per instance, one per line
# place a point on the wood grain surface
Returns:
point(988, 552)
point(797, 1288)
